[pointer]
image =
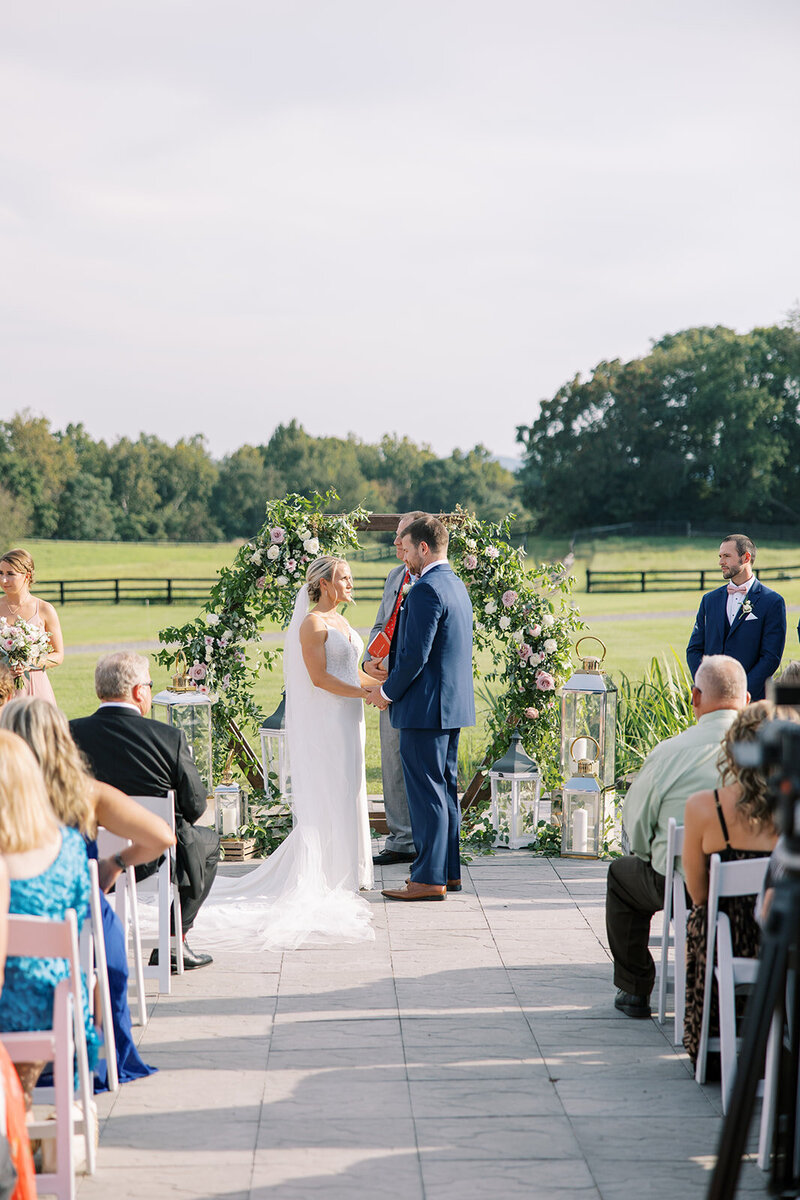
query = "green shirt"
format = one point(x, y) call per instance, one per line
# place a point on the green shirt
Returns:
point(671, 773)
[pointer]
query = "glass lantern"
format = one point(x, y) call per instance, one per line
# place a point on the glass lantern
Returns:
point(589, 712)
point(274, 750)
point(228, 817)
point(582, 808)
point(516, 789)
point(183, 707)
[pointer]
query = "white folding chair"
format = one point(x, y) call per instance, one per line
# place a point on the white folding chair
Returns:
point(730, 973)
point(126, 906)
point(724, 879)
point(167, 896)
point(63, 1044)
point(95, 968)
point(674, 915)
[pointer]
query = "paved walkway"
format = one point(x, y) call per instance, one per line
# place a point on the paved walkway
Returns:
point(472, 1051)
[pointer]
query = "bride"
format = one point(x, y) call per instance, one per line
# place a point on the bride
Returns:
point(306, 892)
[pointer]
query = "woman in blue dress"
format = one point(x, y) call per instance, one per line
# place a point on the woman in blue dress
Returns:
point(82, 803)
point(48, 875)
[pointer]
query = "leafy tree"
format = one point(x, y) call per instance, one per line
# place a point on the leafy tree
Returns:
point(705, 426)
point(86, 510)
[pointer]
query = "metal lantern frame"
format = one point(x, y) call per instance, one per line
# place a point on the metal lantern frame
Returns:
point(275, 750)
point(515, 805)
point(184, 708)
point(582, 809)
point(589, 711)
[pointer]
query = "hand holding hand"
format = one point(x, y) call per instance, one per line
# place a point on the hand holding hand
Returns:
point(374, 667)
point(375, 699)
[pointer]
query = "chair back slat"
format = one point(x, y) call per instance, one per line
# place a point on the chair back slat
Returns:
point(39, 937)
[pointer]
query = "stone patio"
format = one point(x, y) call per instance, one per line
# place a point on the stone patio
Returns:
point(472, 1051)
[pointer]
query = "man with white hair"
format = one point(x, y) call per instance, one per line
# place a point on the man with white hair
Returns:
point(671, 773)
point(149, 758)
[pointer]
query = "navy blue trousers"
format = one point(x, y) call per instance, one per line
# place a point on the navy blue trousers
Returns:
point(430, 769)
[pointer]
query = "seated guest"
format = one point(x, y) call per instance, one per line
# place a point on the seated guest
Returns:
point(6, 684)
point(148, 758)
point(82, 803)
point(734, 821)
point(790, 674)
point(48, 874)
point(672, 771)
point(14, 1129)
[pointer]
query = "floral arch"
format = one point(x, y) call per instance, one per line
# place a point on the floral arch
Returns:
point(524, 621)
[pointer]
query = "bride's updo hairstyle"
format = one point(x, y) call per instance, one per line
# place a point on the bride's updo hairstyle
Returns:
point(319, 569)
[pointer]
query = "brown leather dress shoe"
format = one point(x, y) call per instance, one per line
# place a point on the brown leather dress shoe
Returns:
point(416, 891)
point(454, 885)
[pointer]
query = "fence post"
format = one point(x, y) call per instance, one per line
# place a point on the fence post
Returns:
point(116, 591)
point(61, 591)
point(588, 580)
point(644, 581)
point(169, 591)
point(702, 581)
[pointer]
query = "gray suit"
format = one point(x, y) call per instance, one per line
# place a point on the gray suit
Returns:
point(394, 788)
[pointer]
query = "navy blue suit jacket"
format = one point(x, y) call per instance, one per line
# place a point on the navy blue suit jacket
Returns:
point(430, 662)
point(756, 639)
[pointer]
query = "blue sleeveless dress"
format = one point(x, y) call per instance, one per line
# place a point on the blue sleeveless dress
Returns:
point(26, 1001)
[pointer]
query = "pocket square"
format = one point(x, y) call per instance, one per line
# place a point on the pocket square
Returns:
point(751, 617)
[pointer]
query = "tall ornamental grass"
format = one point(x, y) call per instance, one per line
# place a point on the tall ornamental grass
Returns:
point(650, 710)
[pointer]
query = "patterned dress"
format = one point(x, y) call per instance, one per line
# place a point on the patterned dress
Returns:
point(26, 1001)
point(745, 936)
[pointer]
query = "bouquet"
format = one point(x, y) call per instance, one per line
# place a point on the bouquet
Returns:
point(23, 645)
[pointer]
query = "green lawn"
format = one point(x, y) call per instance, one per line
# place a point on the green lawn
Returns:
point(641, 625)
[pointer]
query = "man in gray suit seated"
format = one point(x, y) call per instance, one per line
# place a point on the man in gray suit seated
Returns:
point(399, 845)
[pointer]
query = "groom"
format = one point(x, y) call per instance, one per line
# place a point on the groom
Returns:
point(429, 691)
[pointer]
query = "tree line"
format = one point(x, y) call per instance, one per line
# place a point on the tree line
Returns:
point(64, 484)
point(706, 427)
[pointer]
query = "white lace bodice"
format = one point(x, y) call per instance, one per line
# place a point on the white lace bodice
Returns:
point(342, 654)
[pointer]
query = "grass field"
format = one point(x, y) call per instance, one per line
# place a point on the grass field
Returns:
point(634, 626)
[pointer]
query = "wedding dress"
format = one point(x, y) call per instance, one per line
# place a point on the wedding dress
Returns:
point(306, 892)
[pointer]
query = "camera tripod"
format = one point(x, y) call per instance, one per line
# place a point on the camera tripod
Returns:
point(776, 993)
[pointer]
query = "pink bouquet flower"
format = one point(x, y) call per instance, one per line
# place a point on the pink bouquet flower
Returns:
point(277, 535)
point(544, 681)
point(261, 582)
point(509, 598)
point(470, 562)
point(197, 671)
point(531, 713)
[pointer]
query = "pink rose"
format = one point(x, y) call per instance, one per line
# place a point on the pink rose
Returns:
point(209, 641)
point(544, 681)
point(509, 598)
point(536, 630)
point(201, 687)
point(531, 713)
point(470, 562)
point(261, 582)
point(291, 565)
point(277, 535)
point(197, 671)
point(226, 680)
point(525, 651)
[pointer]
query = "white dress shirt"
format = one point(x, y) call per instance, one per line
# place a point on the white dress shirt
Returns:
point(737, 599)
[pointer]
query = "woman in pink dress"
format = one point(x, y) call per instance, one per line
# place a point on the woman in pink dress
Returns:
point(17, 604)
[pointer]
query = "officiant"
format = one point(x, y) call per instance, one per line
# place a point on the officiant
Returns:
point(743, 619)
point(399, 845)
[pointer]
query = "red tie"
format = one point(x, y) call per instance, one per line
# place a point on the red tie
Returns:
point(390, 624)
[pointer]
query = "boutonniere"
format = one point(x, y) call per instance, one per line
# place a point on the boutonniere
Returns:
point(747, 607)
point(406, 589)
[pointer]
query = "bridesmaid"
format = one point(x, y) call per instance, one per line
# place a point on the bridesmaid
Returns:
point(17, 603)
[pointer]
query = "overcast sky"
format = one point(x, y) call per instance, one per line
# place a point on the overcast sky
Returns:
point(419, 217)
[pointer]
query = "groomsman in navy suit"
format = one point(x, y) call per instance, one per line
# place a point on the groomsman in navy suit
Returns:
point(430, 696)
point(744, 619)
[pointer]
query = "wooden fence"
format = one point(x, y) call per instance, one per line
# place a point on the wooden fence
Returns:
point(150, 591)
point(675, 581)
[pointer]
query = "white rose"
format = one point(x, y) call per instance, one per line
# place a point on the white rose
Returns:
point(518, 636)
point(504, 622)
point(212, 619)
point(256, 558)
point(548, 619)
point(550, 646)
point(311, 545)
point(282, 580)
point(273, 553)
point(208, 653)
point(304, 534)
point(490, 607)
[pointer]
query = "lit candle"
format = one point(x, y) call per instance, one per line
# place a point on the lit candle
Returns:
point(580, 831)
